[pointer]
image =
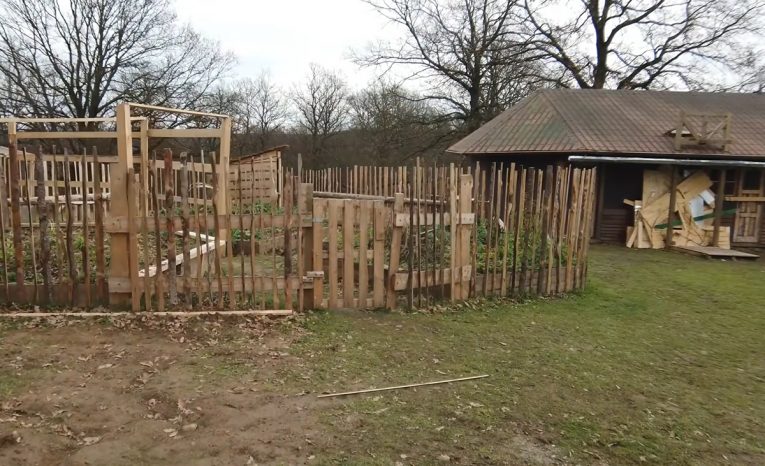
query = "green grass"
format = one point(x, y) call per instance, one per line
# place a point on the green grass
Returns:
point(660, 360)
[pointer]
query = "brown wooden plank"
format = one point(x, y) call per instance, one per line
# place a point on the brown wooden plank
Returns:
point(143, 208)
point(520, 217)
point(257, 285)
point(216, 221)
point(28, 197)
point(154, 177)
point(378, 248)
point(42, 215)
point(365, 213)
point(85, 232)
point(289, 186)
point(349, 208)
point(3, 220)
point(240, 211)
point(510, 187)
point(185, 244)
point(133, 193)
point(72, 267)
point(395, 253)
point(169, 190)
point(455, 287)
point(317, 236)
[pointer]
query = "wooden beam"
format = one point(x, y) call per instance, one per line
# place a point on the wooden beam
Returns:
point(263, 312)
point(185, 133)
point(175, 110)
point(672, 202)
point(719, 199)
point(119, 267)
point(71, 135)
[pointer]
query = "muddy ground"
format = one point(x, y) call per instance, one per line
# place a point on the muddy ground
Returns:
point(127, 393)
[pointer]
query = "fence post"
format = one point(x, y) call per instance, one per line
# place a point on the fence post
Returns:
point(121, 260)
point(395, 251)
point(463, 234)
point(306, 263)
point(15, 191)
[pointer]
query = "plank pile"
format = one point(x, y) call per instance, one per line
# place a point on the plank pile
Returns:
point(693, 219)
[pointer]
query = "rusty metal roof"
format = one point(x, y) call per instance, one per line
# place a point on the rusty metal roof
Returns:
point(579, 121)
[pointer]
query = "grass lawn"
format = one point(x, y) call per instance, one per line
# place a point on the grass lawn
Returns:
point(661, 360)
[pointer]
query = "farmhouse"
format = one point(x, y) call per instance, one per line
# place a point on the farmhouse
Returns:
point(710, 146)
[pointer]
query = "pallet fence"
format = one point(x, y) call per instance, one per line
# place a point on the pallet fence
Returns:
point(184, 230)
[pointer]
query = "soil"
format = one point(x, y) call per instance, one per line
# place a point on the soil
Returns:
point(180, 392)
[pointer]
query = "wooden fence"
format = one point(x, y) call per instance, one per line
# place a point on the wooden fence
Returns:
point(516, 232)
point(188, 236)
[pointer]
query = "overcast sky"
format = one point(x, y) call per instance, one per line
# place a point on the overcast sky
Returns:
point(284, 36)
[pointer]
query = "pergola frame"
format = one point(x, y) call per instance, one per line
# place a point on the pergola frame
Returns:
point(123, 269)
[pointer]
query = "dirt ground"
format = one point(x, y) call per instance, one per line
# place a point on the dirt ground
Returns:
point(199, 392)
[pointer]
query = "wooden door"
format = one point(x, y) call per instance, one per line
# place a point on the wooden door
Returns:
point(748, 214)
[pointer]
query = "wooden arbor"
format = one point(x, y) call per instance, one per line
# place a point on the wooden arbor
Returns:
point(123, 274)
point(122, 178)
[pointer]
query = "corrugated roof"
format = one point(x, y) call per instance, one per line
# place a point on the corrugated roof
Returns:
point(615, 122)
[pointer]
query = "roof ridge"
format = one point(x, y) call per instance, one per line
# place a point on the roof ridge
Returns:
point(571, 130)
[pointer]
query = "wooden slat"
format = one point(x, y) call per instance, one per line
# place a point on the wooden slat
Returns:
point(349, 208)
point(158, 278)
point(69, 232)
point(98, 207)
point(332, 216)
point(185, 246)
point(365, 212)
point(133, 192)
point(28, 197)
point(42, 214)
point(168, 183)
point(85, 233)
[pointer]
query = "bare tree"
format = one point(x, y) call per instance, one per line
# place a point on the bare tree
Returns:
point(261, 110)
point(639, 44)
point(393, 123)
point(77, 58)
point(321, 104)
point(467, 52)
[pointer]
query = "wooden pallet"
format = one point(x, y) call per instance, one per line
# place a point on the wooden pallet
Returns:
point(715, 253)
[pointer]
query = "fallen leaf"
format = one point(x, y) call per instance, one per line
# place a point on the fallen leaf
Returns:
point(91, 440)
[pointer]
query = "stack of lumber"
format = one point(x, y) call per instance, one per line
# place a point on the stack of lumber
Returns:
point(693, 218)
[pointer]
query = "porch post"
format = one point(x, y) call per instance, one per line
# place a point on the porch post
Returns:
point(720, 197)
point(672, 201)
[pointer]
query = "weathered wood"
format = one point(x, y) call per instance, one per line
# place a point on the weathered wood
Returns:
point(158, 278)
point(349, 208)
point(719, 200)
point(120, 259)
point(672, 207)
point(395, 253)
point(42, 214)
point(216, 199)
point(3, 220)
point(168, 182)
point(248, 313)
point(289, 194)
point(133, 193)
point(398, 387)
point(72, 267)
point(85, 232)
point(28, 197)
point(98, 206)
point(332, 215)
point(365, 211)
point(185, 246)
